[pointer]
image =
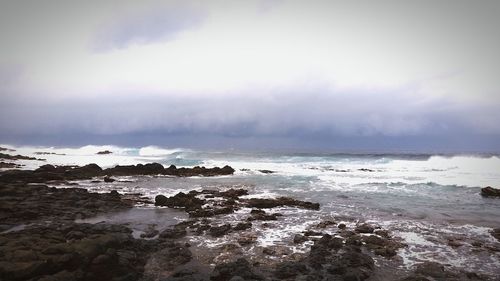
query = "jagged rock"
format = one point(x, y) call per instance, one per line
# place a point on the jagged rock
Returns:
point(364, 228)
point(219, 231)
point(262, 203)
point(290, 269)
point(243, 226)
point(299, 239)
point(108, 179)
point(240, 268)
point(490, 192)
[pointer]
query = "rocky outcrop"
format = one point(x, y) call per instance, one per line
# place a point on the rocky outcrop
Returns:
point(18, 157)
point(490, 192)
point(75, 252)
point(238, 270)
point(279, 202)
point(104, 152)
point(21, 203)
point(49, 172)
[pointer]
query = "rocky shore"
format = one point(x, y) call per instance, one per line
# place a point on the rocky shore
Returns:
point(40, 239)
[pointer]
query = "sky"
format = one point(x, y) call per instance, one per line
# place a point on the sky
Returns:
point(259, 73)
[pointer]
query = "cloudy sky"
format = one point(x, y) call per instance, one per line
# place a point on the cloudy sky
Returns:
point(329, 74)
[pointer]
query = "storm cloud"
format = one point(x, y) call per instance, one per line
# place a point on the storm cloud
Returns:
point(325, 70)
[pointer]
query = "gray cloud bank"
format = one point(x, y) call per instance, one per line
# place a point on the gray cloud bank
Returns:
point(296, 118)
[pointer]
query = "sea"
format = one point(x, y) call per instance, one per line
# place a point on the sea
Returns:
point(424, 200)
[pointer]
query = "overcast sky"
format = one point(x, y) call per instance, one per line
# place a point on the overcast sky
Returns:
point(301, 72)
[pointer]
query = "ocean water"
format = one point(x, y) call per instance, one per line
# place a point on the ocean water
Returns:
point(424, 200)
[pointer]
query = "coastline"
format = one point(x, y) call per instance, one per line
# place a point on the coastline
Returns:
point(213, 236)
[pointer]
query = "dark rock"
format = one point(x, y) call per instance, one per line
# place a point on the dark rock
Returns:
point(299, 239)
point(174, 233)
point(431, 269)
point(325, 224)
point(264, 217)
point(279, 202)
point(17, 157)
point(243, 226)
point(233, 193)
point(104, 152)
point(312, 233)
point(490, 192)
point(290, 269)
point(364, 228)
point(108, 179)
point(341, 226)
point(180, 200)
point(219, 231)
point(496, 233)
point(266, 171)
point(241, 268)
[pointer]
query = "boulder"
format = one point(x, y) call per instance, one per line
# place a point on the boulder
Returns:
point(231, 271)
point(490, 192)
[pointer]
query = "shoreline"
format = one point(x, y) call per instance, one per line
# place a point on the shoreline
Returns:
point(358, 250)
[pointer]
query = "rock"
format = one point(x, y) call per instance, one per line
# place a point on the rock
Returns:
point(233, 193)
point(108, 179)
point(496, 233)
point(364, 228)
point(312, 233)
point(490, 192)
point(243, 226)
point(266, 171)
point(264, 217)
point(299, 239)
point(150, 232)
point(173, 233)
point(431, 269)
point(219, 231)
point(161, 200)
point(325, 224)
point(262, 203)
point(290, 269)
point(247, 239)
point(341, 226)
point(180, 200)
point(240, 268)
point(104, 152)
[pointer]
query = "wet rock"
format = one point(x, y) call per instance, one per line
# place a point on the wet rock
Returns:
point(263, 216)
point(262, 203)
point(219, 231)
point(180, 200)
point(46, 253)
point(247, 239)
point(490, 192)
point(174, 233)
point(325, 224)
point(108, 179)
point(496, 233)
point(431, 269)
point(233, 193)
point(341, 226)
point(312, 233)
point(266, 171)
point(243, 226)
point(150, 232)
point(8, 165)
point(240, 268)
point(104, 152)
point(287, 270)
point(17, 157)
point(364, 228)
point(299, 239)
